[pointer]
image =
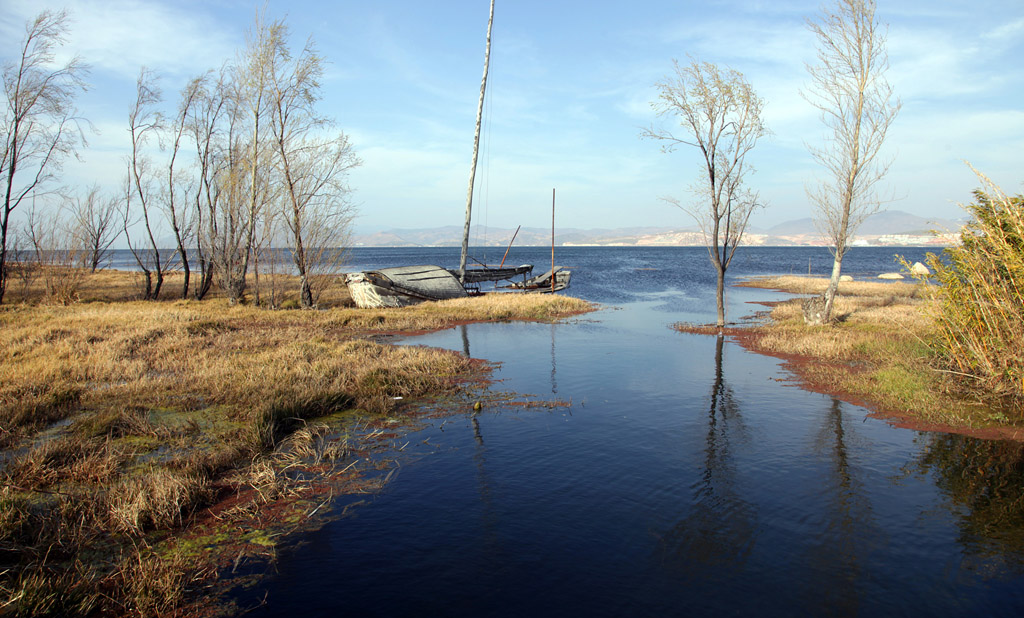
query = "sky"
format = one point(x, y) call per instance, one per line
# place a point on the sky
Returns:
point(569, 95)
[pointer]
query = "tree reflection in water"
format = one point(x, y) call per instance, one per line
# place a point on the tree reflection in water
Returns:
point(719, 530)
point(848, 532)
point(984, 481)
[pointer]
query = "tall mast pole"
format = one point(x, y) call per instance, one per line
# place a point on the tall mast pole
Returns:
point(476, 150)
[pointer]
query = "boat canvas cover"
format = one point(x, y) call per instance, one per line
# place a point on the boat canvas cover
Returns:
point(404, 285)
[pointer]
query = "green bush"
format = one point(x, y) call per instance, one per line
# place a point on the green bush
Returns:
point(981, 292)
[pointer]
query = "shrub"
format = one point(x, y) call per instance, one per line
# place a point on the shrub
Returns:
point(980, 316)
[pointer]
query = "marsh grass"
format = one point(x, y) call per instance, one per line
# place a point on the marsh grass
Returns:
point(881, 350)
point(123, 421)
point(42, 284)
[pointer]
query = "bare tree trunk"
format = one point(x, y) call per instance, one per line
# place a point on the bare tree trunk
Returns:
point(833, 287)
point(720, 296)
point(3, 258)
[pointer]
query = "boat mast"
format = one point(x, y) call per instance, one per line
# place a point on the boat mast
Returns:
point(476, 149)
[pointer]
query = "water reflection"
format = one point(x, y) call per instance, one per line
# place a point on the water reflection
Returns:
point(719, 530)
point(848, 531)
point(465, 340)
point(984, 480)
point(490, 537)
point(554, 381)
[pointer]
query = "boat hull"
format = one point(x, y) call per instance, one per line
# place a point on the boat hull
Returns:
point(402, 286)
point(541, 284)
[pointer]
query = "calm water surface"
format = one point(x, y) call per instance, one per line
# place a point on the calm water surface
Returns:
point(688, 477)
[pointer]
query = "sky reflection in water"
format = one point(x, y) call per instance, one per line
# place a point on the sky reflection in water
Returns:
point(688, 477)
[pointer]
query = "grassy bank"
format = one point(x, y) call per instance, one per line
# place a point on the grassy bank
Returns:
point(880, 354)
point(148, 447)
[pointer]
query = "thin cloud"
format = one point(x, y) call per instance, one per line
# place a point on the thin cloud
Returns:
point(119, 36)
point(1007, 32)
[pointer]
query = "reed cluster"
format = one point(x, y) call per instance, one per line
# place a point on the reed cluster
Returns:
point(979, 311)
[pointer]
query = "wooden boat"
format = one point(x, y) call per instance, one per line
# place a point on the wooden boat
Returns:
point(542, 283)
point(409, 285)
point(403, 286)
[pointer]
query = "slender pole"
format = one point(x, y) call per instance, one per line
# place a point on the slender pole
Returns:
point(509, 246)
point(552, 240)
point(476, 149)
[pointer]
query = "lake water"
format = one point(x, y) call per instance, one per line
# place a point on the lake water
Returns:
point(688, 477)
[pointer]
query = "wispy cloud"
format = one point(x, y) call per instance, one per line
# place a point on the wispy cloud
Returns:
point(1006, 32)
point(119, 36)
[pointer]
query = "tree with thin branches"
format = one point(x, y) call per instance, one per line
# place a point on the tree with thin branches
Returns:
point(40, 126)
point(206, 117)
point(94, 224)
point(176, 192)
point(144, 122)
point(720, 115)
point(312, 165)
point(249, 160)
point(857, 107)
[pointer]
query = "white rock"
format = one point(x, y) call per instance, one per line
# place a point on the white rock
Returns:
point(845, 278)
point(919, 269)
point(890, 276)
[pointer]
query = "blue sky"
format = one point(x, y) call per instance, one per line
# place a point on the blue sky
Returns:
point(570, 91)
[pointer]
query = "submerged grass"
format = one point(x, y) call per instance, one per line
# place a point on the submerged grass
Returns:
point(124, 424)
point(880, 351)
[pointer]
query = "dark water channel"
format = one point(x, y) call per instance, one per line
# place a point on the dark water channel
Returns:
point(688, 477)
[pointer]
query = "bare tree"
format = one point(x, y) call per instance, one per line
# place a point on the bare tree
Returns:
point(248, 156)
point(313, 167)
point(59, 255)
point(182, 219)
point(39, 124)
point(720, 115)
point(204, 125)
point(94, 219)
point(143, 122)
point(857, 107)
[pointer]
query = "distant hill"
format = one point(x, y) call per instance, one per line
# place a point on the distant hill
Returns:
point(451, 235)
point(885, 222)
point(891, 227)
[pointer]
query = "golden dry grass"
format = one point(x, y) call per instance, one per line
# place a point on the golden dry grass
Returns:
point(796, 284)
point(59, 285)
point(162, 405)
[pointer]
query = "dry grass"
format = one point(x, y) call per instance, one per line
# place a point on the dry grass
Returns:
point(167, 407)
point(881, 350)
point(157, 499)
point(795, 284)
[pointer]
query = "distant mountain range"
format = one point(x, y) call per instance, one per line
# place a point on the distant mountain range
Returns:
point(888, 228)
